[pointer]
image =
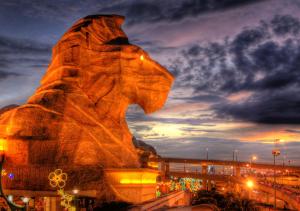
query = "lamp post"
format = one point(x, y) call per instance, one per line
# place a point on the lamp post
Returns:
point(234, 158)
point(275, 152)
point(253, 158)
point(10, 203)
point(250, 185)
point(236, 155)
point(206, 154)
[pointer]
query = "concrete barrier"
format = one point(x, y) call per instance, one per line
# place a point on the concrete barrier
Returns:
point(179, 198)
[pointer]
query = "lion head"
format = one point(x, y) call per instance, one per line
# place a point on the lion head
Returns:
point(96, 55)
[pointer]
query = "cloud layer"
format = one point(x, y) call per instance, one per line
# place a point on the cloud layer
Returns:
point(263, 60)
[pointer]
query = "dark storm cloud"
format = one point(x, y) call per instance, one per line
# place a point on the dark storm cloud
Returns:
point(202, 98)
point(283, 25)
point(36, 8)
point(17, 53)
point(19, 46)
point(4, 75)
point(192, 8)
point(156, 11)
point(259, 60)
point(135, 11)
point(269, 108)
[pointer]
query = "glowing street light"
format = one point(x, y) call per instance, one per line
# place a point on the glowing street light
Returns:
point(250, 184)
point(253, 158)
point(25, 200)
point(75, 191)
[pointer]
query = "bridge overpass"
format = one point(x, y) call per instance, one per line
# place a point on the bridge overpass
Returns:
point(288, 196)
point(204, 162)
point(236, 179)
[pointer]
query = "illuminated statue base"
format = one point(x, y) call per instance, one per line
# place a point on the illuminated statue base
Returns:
point(133, 185)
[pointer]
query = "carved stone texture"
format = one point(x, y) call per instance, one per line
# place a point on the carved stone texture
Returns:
point(77, 115)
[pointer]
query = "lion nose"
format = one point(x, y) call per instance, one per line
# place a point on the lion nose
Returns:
point(164, 71)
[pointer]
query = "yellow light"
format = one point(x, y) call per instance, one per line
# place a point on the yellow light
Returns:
point(138, 181)
point(142, 57)
point(57, 178)
point(153, 164)
point(3, 145)
point(75, 191)
point(254, 157)
point(250, 184)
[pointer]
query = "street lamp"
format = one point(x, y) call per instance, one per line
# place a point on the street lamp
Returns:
point(10, 203)
point(206, 153)
point(253, 158)
point(250, 185)
point(25, 200)
point(275, 153)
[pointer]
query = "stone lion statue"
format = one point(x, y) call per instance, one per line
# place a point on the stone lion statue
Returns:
point(77, 115)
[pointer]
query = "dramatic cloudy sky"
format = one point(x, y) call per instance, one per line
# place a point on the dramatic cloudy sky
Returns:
point(236, 62)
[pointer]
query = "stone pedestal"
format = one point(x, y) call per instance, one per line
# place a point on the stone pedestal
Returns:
point(133, 185)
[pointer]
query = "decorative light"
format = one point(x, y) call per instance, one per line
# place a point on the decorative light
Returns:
point(3, 145)
point(25, 199)
point(75, 191)
point(142, 58)
point(153, 164)
point(66, 199)
point(10, 198)
point(57, 178)
point(3, 173)
point(137, 181)
point(11, 176)
point(190, 184)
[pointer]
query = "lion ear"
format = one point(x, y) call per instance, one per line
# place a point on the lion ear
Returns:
point(102, 86)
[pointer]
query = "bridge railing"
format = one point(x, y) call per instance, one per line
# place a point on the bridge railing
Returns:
point(284, 189)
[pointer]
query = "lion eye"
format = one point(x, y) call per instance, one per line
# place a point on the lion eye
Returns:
point(142, 57)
